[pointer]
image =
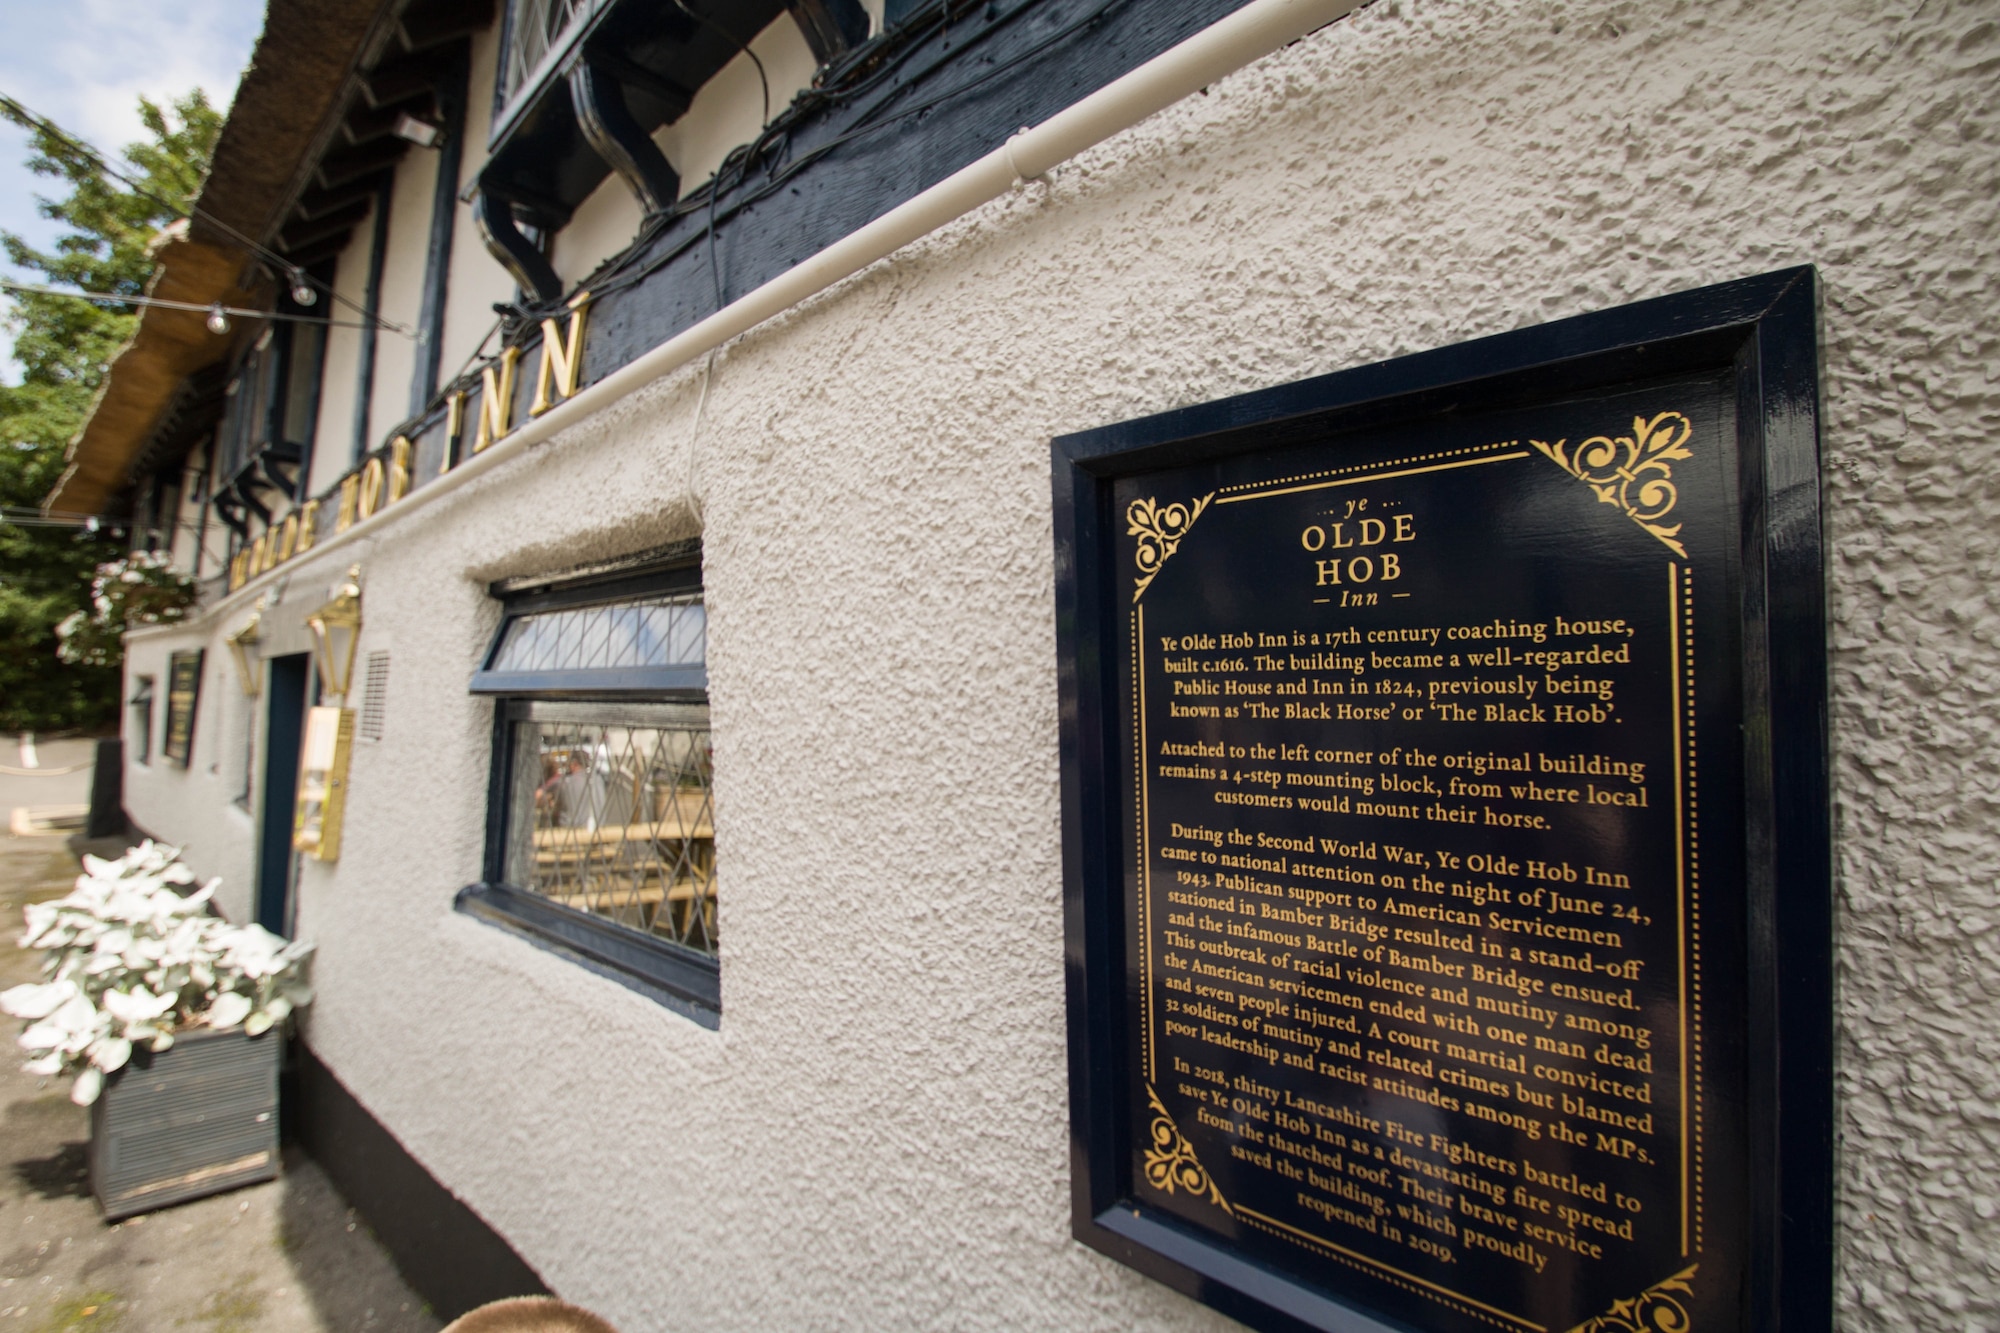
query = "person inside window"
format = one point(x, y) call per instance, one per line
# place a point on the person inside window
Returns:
point(575, 795)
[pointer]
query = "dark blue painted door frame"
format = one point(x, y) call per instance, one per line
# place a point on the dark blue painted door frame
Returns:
point(285, 700)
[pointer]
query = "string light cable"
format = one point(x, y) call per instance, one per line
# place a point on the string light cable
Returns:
point(302, 283)
point(624, 269)
point(212, 310)
point(22, 517)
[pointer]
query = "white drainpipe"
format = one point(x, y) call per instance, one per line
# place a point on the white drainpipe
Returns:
point(1249, 34)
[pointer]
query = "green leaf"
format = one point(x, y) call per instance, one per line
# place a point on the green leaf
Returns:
point(62, 347)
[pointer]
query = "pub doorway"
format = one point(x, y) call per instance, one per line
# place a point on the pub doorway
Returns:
point(287, 696)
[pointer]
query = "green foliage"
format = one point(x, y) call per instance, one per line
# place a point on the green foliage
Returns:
point(44, 572)
point(142, 589)
point(63, 347)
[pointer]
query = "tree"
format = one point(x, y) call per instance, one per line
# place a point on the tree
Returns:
point(63, 347)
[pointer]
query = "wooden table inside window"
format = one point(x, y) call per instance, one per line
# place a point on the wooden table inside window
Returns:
point(591, 854)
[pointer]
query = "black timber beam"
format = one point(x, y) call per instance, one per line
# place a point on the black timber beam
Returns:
point(548, 156)
point(301, 234)
point(353, 164)
point(319, 203)
point(306, 256)
point(832, 28)
point(493, 214)
point(427, 25)
point(242, 488)
point(674, 99)
point(229, 509)
point(399, 80)
point(366, 124)
point(279, 465)
point(981, 72)
point(610, 129)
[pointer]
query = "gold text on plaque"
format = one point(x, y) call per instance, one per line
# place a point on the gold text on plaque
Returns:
point(1633, 471)
point(1159, 532)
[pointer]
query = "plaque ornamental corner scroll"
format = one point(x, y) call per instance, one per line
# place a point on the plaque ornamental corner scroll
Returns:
point(1657, 1309)
point(1159, 532)
point(1633, 471)
point(1171, 1163)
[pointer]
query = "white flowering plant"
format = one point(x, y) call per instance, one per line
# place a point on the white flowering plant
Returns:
point(133, 960)
point(143, 588)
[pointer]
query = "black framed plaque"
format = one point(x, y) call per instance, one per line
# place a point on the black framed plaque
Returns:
point(1445, 833)
point(183, 695)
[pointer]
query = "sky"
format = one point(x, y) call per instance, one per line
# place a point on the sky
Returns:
point(84, 64)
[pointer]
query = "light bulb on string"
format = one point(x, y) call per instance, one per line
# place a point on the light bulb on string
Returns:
point(302, 290)
point(218, 322)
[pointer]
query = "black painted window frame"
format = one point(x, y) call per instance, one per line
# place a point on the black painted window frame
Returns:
point(509, 106)
point(676, 977)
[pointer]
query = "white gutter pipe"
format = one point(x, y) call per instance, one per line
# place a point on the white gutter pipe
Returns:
point(1249, 34)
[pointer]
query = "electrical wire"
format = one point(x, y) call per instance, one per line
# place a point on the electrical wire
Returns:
point(625, 269)
point(907, 41)
point(622, 272)
point(20, 111)
point(764, 81)
point(107, 298)
point(21, 516)
point(740, 45)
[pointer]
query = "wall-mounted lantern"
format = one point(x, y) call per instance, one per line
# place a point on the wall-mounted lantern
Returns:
point(243, 647)
point(336, 629)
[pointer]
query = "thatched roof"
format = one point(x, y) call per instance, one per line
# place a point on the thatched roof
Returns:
point(286, 110)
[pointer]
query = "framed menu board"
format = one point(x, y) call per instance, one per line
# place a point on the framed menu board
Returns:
point(183, 695)
point(1445, 833)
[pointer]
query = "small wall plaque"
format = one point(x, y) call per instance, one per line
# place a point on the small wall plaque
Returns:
point(183, 697)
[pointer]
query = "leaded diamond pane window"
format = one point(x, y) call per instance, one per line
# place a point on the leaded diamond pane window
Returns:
point(601, 827)
point(610, 813)
point(534, 29)
point(666, 632)
point(654, 643)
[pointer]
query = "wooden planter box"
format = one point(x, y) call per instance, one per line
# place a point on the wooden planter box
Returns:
point(198, 1118)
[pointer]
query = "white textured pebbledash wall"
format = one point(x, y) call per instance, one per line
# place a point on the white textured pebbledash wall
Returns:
point(876, 1137)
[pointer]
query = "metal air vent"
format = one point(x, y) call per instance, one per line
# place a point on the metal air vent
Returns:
point(374, 696)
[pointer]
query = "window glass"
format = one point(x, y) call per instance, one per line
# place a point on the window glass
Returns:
point(533, 26)
point(261, 373)
point(231, 433)
point(601, 827)
point(657, 632)
point(302, 383)
point(609, 812)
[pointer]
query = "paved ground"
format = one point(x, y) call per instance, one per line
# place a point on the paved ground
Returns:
point(284, 1257)
point(40, 774)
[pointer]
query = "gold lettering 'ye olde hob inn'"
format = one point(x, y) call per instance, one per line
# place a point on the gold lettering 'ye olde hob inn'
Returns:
point(1081, 664)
